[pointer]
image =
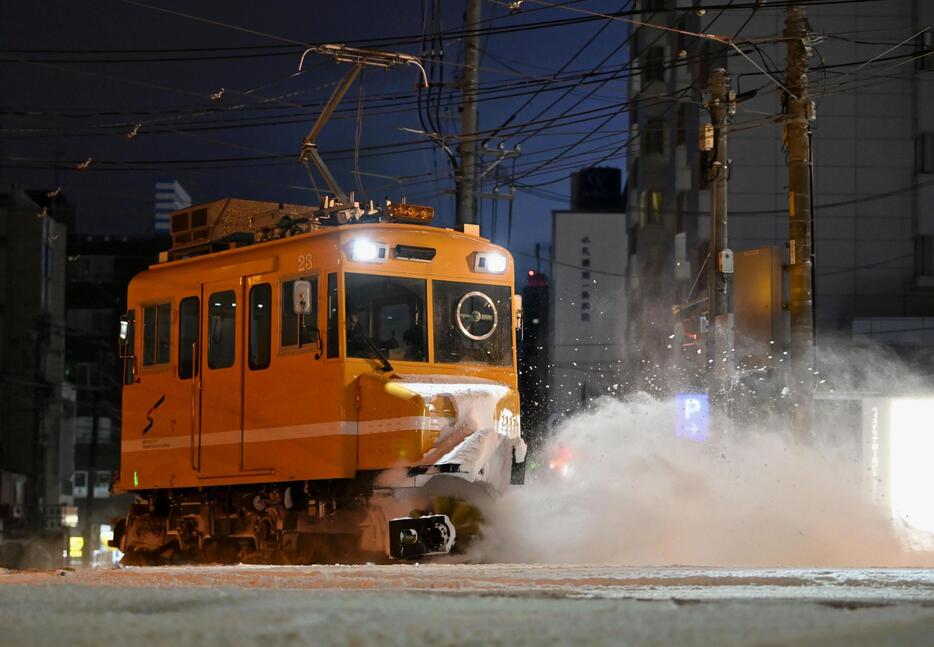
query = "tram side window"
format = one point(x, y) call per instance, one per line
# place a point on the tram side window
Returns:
point(334, 348)
point(260, 326)
point(222, 310)
point(189, 317)
point(157, 325)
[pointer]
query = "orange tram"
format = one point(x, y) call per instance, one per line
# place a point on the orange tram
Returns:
point(298, 392)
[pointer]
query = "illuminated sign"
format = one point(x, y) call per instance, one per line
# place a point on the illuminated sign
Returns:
point(693, 416)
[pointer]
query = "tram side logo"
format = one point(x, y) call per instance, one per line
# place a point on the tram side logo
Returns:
point(149, 419)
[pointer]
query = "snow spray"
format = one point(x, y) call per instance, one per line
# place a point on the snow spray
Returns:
point(637, 493)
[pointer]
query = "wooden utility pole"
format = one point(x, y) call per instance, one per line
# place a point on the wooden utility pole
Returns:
point(467, 170)
point(798, 114)
point(721, 105)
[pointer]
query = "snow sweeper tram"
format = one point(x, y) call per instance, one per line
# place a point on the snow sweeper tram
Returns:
point(298, 390)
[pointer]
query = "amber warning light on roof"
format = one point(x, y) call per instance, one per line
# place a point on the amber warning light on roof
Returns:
point(402, 212)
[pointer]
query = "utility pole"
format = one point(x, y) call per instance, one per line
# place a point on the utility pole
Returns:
point(721, 105)
point(797, 133)
point(467, 171)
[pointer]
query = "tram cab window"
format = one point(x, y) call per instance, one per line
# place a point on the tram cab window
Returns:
point(473, 323)
point(390, 312)
point(157, 326)
point(189, 317)
point(222, 320)
point(290, 320)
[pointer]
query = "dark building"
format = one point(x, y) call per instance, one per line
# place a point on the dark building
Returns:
point(597, 188)
point(36, 402)
point(99, 270)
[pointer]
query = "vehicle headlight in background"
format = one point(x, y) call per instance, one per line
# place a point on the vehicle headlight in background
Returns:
point(366, 251)
point(490, 262)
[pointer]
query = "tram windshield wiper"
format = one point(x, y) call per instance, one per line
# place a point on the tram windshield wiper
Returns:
point(359, 334)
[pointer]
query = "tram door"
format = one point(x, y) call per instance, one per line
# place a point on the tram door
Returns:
point(261, 384)
point(282, 354)
point(220, 431)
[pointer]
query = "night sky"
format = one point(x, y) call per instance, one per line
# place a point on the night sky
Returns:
point(78, 76)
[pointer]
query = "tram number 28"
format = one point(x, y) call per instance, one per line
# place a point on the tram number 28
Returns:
point(304, 262)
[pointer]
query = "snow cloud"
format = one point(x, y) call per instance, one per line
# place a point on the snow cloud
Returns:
point(638, 494)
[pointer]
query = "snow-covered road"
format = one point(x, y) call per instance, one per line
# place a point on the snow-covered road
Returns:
point(466, 604)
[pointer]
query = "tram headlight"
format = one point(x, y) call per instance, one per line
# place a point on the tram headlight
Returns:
point(366, 251)
point(491, 263)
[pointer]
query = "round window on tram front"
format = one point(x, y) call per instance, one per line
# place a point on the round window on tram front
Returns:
point(476, 316)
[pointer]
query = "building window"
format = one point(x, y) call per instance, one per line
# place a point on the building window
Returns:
point(924, 256)
point(634, 56)
point(924, 153)
point(79, 484)
point(651, 6)
point(222, 339)
point(681, 214)
point(84, 430)
point(189, 317)
point(86, 374)
point(651, 208)
point(260, 326)
point(157, 321)
point(654, 137)
point(681, 43)
point(653, 66)
point(290, 320)
point(681, 126)
point(924, 51)
point(100, 485)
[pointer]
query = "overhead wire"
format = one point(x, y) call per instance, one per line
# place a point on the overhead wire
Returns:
point(629, 143)
point(539, 90)
point(620, 148)
point(355, 147)
point(571, 118)
point(567, 63)
point(413, 39)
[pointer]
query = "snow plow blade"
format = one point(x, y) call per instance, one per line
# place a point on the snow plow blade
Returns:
point(412, 537)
